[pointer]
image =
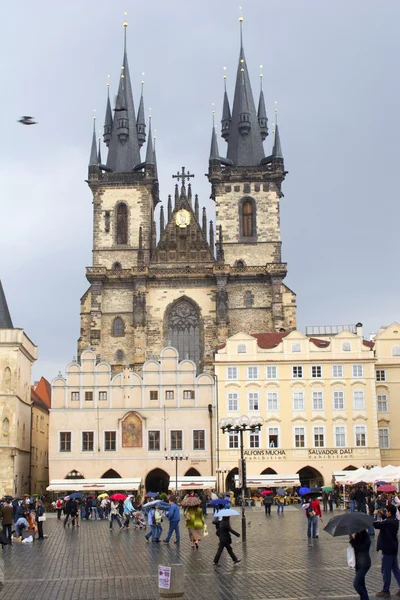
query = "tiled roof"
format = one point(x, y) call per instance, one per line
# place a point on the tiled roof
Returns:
point(36, 399)
point(269, 340)
point(319, 342)
point(43, 390)
point(368, 344)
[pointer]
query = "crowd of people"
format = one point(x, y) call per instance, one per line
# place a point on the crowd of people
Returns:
point(22, 520)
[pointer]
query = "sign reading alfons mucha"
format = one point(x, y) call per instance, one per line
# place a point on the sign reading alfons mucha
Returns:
point(132, 431)
point(182, 218)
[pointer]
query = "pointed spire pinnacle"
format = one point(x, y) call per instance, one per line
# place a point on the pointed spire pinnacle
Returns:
point(169, 207)
point(211, 236)
point(204, 227)
point(196, 207)
point(5, 317)
point(261, 112)
point(140, 121)
point(277, 149)
point(149, 151)
point(176, 196)
point(108, 121)
point(155, 157)
point(189, 194)
point(214, 152)
point(226, 113)
point(245, 142)
point(162, 220)
point(99, 153)
point(93, 150)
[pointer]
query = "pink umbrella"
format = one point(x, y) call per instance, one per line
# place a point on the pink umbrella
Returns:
point(266, 493)
point(387, 487)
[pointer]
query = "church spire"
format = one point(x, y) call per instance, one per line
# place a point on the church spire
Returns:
point(149, 151)
point(99, 153)
point(214, 152)
point(244, 142)
point(123, 152)
point(140, 121)
point(108, 121)
point(277, 149)
point(262, 113)
point(226, 114)
point(5, 317)
point(93, 149)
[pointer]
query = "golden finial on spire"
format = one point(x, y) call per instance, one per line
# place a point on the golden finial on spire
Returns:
point(213, 113)
point(108, 80)
point(143, 74)
point(240, 15)
point(276, 116)
point(125, 21)
point(224, 78)
point(122, 72)
point(149, 113)
point(261, 77)
point(94, 114)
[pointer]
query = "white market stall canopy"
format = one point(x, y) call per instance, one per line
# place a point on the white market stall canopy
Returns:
point(193, 483)
point(389, 474)
point(94, 485)
point(255, 481)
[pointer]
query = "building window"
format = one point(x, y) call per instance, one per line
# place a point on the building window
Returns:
point(241, 349)
point(122, 224)
point(298, 400)
point(65, 441)
point(272, 372)
point(188, 394)
point(296, 347)
point(316, 371)
point(233, 439)
point(252, 372)
point(119, 356)
point(381, 375)
point(254, 440)
point(233, 404)
point(248, 219)
point(248, 299)
point(88, 396)
point(154, 440)
point(176, 440)
point(396, 351)
point(199, 437)
point(337, 371)
point(87, 441)
point(37, 422)
point(273, 437)
point(169, 395)
point(153, 394)
point(384, 437)
point(102, 396)
point(74, 395)
point(110, 441)
point(182, 330)
point(272, 401)
point(299, 437)
point(357, 371)
point(231, 373)
point(297, 372)
point(338, 400)
point(117, 266)
point(360, 435)
point(340, 436)
point(319, 437)
point(318, 401)
point(118, 328)
point(346, 347)
point(253, 401)
point(358, 400)
point(382, 403)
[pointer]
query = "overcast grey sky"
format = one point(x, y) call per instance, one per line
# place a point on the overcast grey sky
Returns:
point(333, 67)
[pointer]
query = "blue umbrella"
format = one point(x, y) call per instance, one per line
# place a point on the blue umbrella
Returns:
point(304, 490)
point(281, 492)
point(226, 512)
point(76, 495)
point(151, 495)
point(381, 483)
point(219, 501)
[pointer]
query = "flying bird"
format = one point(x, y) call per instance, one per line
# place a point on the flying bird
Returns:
point(27, 120)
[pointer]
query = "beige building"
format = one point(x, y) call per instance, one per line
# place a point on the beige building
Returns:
point(17, 354)
point(40, 409)
point(387, 372)
point(123, 426)
point(316, 396)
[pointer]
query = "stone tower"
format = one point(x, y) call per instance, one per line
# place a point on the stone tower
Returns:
point(246, 188)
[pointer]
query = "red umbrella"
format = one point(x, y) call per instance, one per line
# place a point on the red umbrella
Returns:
point(118, 497)
point(266, 493)
point(387, 488)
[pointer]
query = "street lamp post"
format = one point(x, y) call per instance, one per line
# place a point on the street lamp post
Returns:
point(239, 425)
point(176, 458)
point(221, 472)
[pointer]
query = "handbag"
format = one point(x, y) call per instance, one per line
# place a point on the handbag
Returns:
point(42, 518)
point(351, 557)
point(205, 532)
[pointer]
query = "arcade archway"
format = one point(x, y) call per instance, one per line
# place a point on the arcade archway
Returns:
point(350, 468)
point(192, 473)
point(230, 480)
point(268, 471)
point(111, 474)
point(157, 480)
point(310, 477)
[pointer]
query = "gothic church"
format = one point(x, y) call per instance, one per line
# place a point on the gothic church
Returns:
point(185, 283)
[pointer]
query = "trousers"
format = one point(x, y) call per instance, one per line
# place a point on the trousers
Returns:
point(359, 583)
point(221, 547)
point(389, 566)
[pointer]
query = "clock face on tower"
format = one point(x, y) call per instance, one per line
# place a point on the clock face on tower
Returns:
point(182, 218)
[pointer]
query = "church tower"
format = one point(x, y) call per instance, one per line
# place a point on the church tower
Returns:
point(246, 188)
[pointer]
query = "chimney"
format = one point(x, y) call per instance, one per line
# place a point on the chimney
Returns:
point(359, 330)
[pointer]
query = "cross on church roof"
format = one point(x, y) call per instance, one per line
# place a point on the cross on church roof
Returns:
point(183, 175)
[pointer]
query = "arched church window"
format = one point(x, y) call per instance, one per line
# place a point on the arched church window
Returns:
point(247, 219)
point(119, 356)
point(117, 266)
point(248, 299)
point(182, 330)
point(118, 327)
point(122, 224)
point(7, 379)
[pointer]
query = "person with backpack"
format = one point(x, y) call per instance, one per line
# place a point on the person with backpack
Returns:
point(313, 514)
point(268, 501)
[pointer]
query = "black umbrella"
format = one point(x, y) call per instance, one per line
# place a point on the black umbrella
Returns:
point(360, 484)
point(312, 494)
point(348, 523)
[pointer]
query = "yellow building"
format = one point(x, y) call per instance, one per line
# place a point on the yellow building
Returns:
point(40, 407)
point(387, 373)
point(316, 396)
point(105, 427)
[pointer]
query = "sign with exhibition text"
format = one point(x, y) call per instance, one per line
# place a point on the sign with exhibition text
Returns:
point(164, 577)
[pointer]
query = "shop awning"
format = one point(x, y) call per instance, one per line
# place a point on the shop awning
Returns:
point(193, 483)
point(255, 481)
point(94, 485)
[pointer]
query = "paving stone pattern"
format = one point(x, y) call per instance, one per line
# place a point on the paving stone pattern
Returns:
point(92, 563)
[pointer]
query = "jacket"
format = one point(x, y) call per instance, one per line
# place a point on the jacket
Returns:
point(7, 514)
point(361, 544)
point(268, 499)
point(194, 518)
point(173, 513)
point(225, 531)
point(387, 539)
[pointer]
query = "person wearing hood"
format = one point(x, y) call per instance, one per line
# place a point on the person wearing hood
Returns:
point(388, 543)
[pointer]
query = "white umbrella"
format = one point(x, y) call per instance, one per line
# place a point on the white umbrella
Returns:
point(226, 512)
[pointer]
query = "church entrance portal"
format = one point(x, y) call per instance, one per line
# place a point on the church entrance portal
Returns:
point(310, 477)
point(157, 481)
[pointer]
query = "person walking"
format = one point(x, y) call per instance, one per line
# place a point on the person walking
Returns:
point(174, 518)
point(361, 543)
point(40, 517)
point(268, 500)
point(59, 507)
point(281, 504)
point(313, 514)
point(389, 545)
point(158, 519)
point(224, 531)
point(325, 500)
point(194, 523)
point(6, 515)
point(115, 515)
point(152, 524)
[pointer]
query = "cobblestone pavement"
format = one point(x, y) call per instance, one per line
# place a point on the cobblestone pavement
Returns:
point(92, 563)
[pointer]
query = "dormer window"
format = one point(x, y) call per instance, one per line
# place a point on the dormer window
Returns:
point(241, 348)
